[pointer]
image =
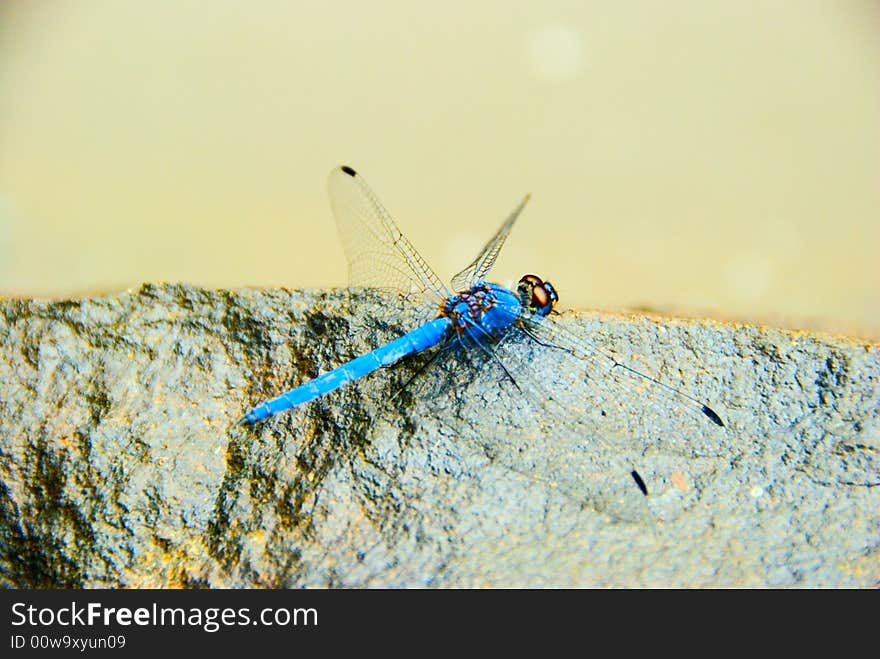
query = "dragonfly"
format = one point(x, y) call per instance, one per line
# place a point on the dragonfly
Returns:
point(471, 315)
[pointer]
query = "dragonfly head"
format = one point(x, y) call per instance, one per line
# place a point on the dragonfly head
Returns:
point(536, 294)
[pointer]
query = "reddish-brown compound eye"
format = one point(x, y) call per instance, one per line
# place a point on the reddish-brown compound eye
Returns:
point(539, 295)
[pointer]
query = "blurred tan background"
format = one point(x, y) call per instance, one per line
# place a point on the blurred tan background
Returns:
point(702, 157)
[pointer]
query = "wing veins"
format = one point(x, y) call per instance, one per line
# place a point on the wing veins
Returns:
point(477, 270)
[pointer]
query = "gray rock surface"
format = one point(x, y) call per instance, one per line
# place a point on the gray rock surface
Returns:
point(121, 463)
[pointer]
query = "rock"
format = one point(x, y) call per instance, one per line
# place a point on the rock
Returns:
point(121, 463)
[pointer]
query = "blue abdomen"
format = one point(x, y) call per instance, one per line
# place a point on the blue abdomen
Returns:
point(421, 338)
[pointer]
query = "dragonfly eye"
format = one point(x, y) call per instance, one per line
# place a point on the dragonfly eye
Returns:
point(539, 295)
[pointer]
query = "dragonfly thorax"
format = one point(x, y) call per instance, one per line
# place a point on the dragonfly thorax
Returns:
point(482, 309)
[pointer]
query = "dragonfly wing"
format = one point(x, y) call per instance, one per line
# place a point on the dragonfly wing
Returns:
point(511, 436)
point(544, 438)
point(480, 266)
point(379, 255)
point(592, 444)
point(598, 364)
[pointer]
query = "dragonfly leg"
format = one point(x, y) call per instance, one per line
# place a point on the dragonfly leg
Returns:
point(421, 369)
point(491, 353)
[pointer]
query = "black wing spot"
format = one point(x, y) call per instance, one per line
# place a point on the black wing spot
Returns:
point(709, 412)
point(639, 482)
point(348, 170)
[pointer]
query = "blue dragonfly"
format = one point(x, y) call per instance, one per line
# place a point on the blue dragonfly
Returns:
point(472, 315)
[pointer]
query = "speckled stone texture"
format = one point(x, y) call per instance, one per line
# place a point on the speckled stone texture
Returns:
point(121, 463)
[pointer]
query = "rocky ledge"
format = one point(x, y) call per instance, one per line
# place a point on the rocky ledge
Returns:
point(121, 463)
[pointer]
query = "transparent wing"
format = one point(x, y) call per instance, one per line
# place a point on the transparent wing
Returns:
point(379, 255)
point(480, 266)
point(594, 443)
point(601, 366)
point(511, 428)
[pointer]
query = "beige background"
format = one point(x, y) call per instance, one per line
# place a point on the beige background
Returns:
point(705, 157)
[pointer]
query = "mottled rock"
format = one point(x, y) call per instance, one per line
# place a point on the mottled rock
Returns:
point(121, 463)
